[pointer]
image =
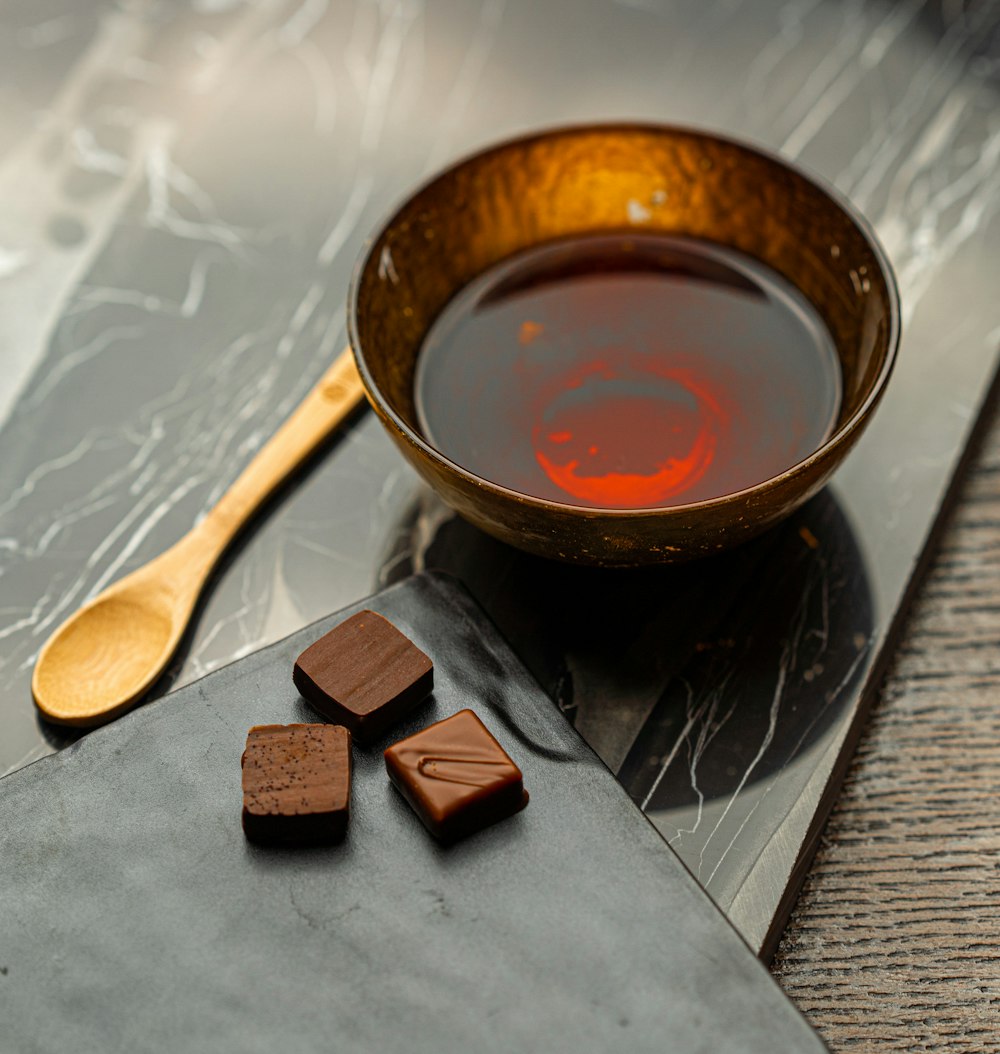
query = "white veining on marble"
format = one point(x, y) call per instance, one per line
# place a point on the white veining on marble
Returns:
point(786, 668)
point(467, 81)
point(165, 181)
point(189, 202)
point(33, 293)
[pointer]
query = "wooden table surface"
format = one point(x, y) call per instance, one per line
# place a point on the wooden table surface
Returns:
point(894, 944)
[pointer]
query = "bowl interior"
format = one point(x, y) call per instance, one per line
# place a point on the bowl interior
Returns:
point(587, 180)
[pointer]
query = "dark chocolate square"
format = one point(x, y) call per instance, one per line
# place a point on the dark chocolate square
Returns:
point(456, 776)
point(296, 783)
point(364, 674)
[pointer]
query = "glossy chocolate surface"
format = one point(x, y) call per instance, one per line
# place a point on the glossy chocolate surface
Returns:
point(296, 783)
point(364, 674)
point(456, 776)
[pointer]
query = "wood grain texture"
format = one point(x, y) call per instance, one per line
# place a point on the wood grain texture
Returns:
point(894, 944)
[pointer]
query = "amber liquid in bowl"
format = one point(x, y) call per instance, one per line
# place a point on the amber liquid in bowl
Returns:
point(628, 371)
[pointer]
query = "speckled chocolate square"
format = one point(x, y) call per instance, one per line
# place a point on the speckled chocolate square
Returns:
point(296, 783)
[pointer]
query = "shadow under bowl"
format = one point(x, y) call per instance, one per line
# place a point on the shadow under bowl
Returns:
point(586, 180)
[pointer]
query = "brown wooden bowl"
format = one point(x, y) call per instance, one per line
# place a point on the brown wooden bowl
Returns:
point(587, 179)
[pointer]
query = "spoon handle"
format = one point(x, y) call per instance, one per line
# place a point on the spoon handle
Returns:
point(333, 397)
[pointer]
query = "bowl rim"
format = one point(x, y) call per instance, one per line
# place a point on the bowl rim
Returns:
point(839, 437)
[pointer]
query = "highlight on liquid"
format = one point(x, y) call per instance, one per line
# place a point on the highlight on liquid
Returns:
point(628, 371)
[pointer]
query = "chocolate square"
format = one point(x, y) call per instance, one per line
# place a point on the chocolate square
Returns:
point(296, 783)
point(364, 674)
point(456, 776)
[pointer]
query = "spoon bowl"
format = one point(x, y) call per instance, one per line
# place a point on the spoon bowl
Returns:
point(108, 654)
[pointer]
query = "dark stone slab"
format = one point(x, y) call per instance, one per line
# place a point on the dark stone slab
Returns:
point(137, 917)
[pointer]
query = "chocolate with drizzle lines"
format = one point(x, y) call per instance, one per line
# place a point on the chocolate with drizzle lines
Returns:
point(456, 776)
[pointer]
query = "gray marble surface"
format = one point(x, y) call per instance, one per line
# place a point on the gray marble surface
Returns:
point(183, 190)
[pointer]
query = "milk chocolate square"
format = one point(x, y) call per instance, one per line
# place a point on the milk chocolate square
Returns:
point(456, 776)
point(364, 674)
point(296, 783)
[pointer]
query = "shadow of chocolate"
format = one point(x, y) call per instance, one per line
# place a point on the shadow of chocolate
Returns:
point(735, 664)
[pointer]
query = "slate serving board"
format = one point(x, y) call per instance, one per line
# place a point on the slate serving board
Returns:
point(135, 916)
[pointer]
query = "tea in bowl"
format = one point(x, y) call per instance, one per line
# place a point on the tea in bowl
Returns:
point(624, 344)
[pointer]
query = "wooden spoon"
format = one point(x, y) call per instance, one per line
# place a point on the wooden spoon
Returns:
point(102, 659)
